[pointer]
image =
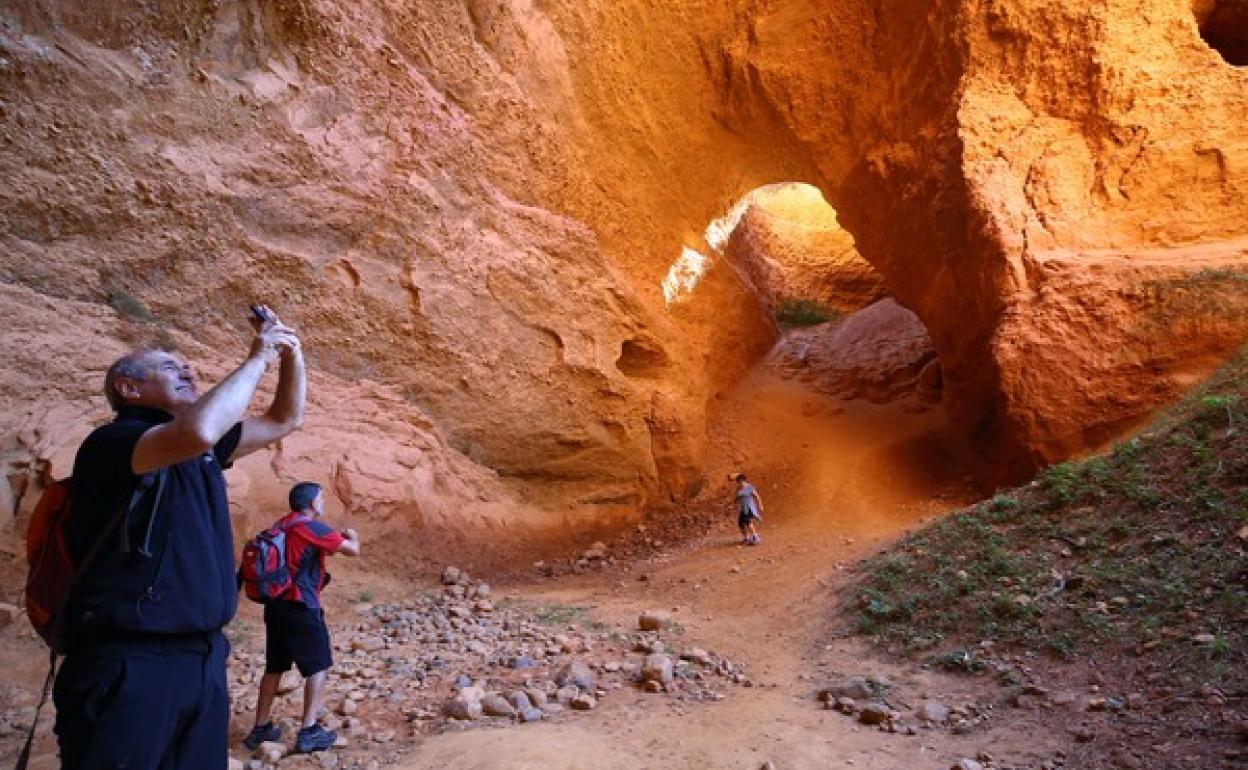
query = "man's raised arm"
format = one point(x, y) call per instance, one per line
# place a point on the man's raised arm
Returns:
point(285, 414)
point(201, 425)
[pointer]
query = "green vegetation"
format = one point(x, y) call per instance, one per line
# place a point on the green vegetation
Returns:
point(568, 615)
point(128, 305)
point(804, 312)
point(1136, 551)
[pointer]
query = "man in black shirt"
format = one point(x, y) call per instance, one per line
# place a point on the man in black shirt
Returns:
point(143, 683)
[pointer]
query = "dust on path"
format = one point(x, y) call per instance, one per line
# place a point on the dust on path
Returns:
point(838, 480)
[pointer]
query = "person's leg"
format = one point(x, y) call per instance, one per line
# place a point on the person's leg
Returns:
point(313, 689)
point(314, 658)
point(278, 659)
point(264, 704)
point(203, 741)
point(118, 707)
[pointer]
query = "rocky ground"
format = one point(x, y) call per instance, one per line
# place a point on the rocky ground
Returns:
point(672, 646)
point(455, 659)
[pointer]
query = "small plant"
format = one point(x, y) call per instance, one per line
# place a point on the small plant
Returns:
point(364, 597)
point(804, 312)
point(562, 615)
point(128, 305)
point(963, 661)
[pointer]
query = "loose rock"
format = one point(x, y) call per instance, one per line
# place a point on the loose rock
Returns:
point(657, 668)
point(654, 620)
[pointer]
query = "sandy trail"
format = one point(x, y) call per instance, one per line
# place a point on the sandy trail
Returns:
point(837, 480)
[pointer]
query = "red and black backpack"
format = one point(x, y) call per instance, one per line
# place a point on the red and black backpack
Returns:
point(264, 573)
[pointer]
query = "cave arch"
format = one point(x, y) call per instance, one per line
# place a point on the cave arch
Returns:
point(831, 321)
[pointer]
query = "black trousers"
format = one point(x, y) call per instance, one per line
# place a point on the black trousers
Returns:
point(144, 703)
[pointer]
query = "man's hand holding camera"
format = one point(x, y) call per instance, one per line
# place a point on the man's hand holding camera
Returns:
point(273, 338)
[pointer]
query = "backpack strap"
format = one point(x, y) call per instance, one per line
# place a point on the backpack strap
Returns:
point(119, 520)
point(23, 757)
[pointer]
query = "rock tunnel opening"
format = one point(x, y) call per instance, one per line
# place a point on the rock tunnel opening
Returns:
point(840, 331)
point(1223, 26)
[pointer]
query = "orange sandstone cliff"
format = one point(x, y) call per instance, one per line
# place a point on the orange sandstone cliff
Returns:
point(472, 211)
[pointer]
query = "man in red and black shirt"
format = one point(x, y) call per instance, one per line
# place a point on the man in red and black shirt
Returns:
point(294, 622)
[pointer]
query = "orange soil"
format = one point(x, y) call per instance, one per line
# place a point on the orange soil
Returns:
point(835, 486)
point(838, 479)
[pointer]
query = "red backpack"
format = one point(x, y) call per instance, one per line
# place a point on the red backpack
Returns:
point(52, 572)
point(264, 573)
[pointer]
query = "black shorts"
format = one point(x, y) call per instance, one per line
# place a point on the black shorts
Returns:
point(295, 634)
point(744, 519)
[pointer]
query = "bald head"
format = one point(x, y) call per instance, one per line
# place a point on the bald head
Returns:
point(132, 366)
point(149, 377)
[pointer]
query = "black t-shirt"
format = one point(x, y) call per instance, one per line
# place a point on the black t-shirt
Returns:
point(185, 583)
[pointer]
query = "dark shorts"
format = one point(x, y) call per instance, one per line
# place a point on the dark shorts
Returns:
point(295, 635)
point(144, 702)
point(744, 519)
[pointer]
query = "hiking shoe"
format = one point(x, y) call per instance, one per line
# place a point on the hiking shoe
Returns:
point(261, 733)
point(314, 738)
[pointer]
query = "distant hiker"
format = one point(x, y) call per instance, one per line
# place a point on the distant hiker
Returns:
point(749, 510)
point(294, 623)
point(143, 682)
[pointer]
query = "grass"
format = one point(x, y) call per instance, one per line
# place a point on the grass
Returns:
point(804, 312)
point(568, 615)
point(1136, 551)
point(128, 305)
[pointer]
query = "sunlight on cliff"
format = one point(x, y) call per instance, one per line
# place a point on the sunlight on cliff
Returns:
point(801, 205)
point(684, 274)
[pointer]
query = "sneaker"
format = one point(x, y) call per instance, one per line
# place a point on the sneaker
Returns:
point(314, 738)
point(261, 733)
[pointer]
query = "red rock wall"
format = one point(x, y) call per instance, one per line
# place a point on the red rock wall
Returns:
point(468, 208)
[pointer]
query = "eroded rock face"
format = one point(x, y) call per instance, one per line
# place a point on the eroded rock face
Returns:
point(468, 216)
point(875, 354)
point(792, 248)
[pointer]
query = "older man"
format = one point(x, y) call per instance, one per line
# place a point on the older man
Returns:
point(143, 683)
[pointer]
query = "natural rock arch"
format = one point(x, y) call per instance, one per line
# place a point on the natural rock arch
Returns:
point(528, 171)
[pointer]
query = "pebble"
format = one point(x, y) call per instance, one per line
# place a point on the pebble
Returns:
point(462, 708)
point(874, 714)
point(855, 687)
point(654, 620)
point(497, 706)
point(270, 752)
point(933, 711)
point(575, 673)
point(583, 702)
point(657, 668)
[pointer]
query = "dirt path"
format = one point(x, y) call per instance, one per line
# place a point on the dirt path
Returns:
point(837, 480)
